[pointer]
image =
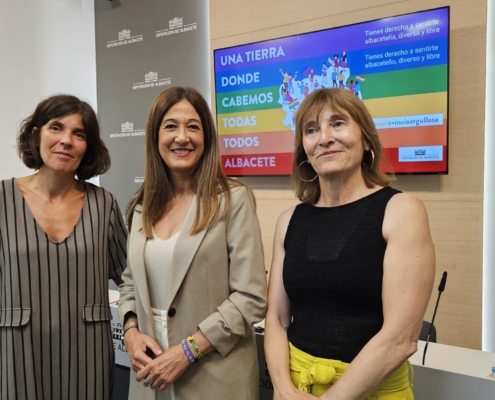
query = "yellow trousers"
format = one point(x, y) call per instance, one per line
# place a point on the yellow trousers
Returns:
point(315, 375)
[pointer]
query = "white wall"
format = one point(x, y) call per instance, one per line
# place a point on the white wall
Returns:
point(46, 47)
point(488, 331)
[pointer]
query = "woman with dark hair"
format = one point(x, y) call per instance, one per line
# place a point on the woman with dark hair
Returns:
point(61, 240)
point(195, 281)
point(353, 264)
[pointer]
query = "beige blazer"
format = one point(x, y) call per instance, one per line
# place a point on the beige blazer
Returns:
point(218, 283)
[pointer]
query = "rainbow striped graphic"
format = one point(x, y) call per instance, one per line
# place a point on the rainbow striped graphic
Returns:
point(293, 104)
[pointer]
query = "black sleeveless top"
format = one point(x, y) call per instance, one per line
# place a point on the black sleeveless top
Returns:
point(333, 270)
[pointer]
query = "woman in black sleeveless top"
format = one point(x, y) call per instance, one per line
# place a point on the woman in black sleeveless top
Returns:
point(353, 264)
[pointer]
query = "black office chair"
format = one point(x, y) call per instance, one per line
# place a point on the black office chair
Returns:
point(425, 328)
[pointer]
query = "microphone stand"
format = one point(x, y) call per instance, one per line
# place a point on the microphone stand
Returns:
point(441, 288)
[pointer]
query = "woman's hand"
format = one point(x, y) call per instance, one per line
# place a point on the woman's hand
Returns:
point(137, 343)
point(293, 394)
point(165, 369)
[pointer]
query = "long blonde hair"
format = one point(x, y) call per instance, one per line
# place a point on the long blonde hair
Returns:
point(208, 179)
point(338, 100)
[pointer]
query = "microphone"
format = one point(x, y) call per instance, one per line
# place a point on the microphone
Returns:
point(441, 288)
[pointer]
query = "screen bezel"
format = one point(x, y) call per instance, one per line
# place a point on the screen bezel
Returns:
point(384, 157)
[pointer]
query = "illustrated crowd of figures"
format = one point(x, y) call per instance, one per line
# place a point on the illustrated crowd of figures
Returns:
point(334, 73)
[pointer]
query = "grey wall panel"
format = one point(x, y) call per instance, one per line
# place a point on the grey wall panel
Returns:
point(143, 47)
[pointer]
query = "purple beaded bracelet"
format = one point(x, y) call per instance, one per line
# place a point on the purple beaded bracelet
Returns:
point(188, 352)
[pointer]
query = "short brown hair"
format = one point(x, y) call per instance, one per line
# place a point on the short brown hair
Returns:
point(96, 160)
point(208, 179)
point(338, 100)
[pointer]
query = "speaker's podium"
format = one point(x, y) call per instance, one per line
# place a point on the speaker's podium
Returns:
point(452, 373)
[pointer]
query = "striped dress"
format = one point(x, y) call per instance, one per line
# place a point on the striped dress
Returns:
point(55, 335)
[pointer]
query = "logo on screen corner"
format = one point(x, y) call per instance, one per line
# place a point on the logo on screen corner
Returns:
point(124, 37)
point(175, 26)
point(127, 130)
point(151, 80)
point(421, 154)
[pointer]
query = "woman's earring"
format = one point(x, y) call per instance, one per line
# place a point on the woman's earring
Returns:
point(372, 160)
point(299, 175)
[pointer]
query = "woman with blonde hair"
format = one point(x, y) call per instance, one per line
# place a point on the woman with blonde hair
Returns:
point(195, 282)
point(353, 264)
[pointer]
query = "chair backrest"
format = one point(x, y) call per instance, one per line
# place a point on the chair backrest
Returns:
point(425, 328)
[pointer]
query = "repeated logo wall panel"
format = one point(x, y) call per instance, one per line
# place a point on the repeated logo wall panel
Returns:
point(143, 47)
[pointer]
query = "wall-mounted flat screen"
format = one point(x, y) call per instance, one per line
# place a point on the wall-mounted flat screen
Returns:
point(398, 66)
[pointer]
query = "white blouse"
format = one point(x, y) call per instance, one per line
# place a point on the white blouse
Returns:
point(158, 261)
